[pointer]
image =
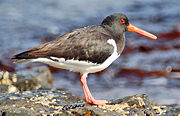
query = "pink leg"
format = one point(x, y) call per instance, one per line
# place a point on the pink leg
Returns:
point(87, 93)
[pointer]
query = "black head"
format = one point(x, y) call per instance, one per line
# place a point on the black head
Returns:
point(116, 22)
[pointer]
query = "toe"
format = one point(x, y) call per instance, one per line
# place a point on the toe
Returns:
point(98, 102)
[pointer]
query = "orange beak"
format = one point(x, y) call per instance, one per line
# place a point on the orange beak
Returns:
point(140, 31)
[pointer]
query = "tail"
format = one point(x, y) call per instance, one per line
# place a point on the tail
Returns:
point(23, 57)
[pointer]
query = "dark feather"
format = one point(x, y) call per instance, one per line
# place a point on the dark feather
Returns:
point(23, 57)
point(85, 44)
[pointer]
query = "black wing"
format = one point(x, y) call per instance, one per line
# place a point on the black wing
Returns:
point(85, 44)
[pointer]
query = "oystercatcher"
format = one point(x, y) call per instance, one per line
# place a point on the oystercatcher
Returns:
point(86, 50)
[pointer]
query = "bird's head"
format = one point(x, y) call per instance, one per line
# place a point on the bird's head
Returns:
point(119, 23)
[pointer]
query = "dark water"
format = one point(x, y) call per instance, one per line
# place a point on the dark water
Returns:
point(146, 66)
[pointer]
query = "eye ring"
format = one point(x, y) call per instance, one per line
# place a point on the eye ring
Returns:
point(122, 21)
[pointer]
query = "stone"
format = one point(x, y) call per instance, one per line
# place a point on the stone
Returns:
point(61, 103)
point(8, 89)
point(38, 102)
point(27, 79)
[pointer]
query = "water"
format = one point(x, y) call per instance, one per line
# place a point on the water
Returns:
point(24, 24)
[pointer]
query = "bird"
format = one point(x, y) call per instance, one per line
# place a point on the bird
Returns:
point(85, 50)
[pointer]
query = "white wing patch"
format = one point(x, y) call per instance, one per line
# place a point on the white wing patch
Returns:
point(112, 42)
point(81, 66)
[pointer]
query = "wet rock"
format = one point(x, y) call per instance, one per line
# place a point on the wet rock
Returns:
point(140, 100)
point(8, 89)
point(54, 102)
point(34, 79)
point(134, 105)
point(38, 102)
point(28, 79)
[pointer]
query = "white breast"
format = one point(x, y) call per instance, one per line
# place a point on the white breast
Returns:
point(81, 66)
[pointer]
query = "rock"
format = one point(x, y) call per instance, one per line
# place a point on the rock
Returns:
point(137, 105)
point(28, 79)
point(54, 102)
point(8, 89)
point(38, 102)
point(34, 79)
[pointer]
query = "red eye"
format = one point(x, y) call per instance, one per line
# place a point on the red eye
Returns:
point(122, 21)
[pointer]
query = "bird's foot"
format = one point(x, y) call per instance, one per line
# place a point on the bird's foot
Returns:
point(97, 102)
